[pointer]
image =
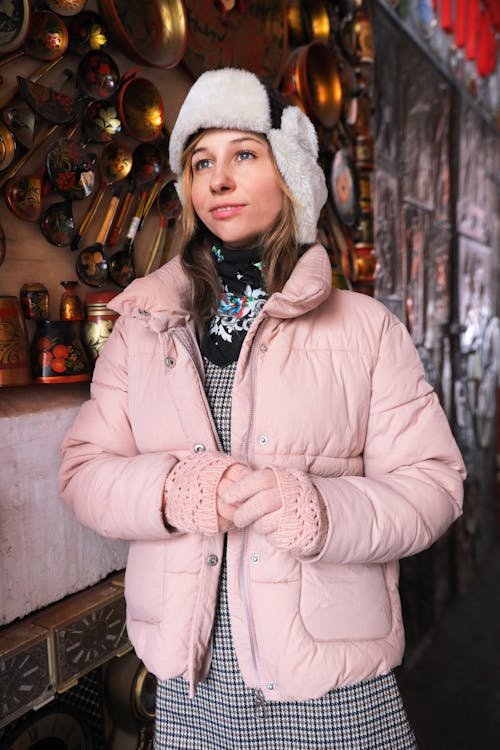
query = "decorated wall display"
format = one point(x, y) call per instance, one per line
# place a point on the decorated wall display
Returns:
point(462, 35)
point(388, 277)
point(64, 114)
point(437, 151)
point(330, 76)
point(424, 101)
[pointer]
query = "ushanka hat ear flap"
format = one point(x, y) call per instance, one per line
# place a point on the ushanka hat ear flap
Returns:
point(295, 148)
point(235, 99)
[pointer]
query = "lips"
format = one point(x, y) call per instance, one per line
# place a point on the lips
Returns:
point(226, 210)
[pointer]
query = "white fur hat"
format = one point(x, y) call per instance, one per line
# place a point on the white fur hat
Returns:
point(236, 99)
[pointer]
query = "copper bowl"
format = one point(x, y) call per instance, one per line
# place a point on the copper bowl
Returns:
point(312, 79)
point(152, 32)
point(308, 21)
point(141, 109)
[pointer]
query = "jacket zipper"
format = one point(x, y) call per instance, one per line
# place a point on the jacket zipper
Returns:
point(259, 697)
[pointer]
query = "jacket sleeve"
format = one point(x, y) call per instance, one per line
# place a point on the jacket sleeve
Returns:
point(110, 486)
point(412, 487)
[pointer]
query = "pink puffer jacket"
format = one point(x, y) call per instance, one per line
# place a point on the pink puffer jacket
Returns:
point(328, 382)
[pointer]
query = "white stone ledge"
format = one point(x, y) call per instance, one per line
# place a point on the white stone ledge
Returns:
point(45, 554)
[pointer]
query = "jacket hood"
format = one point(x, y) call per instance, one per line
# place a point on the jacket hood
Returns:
point(164, 298)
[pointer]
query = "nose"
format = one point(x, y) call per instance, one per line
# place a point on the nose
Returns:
point(221, 179)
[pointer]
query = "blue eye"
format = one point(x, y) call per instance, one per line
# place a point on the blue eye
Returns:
point(245, 155)
point(201, 164)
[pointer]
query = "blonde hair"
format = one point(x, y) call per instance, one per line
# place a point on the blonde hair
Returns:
point(280, 245)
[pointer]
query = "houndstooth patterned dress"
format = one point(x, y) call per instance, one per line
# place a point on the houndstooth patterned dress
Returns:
point(223, 716)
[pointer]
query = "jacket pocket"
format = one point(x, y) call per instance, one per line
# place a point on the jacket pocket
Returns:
point(345, 602)
point(144, 581)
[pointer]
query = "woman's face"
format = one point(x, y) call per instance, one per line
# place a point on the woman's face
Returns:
point(235, 189)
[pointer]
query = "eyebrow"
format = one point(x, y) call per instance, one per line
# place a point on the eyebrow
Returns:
point(233, 140)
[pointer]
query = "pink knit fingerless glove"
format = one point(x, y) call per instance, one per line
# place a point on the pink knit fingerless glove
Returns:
point(190, 493)
point(303, 522)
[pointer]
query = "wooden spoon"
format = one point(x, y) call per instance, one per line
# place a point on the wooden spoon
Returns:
point(23, 196)
point(91, 264)
point(169, 207)
point(115, 164)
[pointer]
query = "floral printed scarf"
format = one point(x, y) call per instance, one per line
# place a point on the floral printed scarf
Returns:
point(242, 299)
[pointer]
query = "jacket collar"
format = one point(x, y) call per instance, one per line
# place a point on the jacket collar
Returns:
point(163, 299)
point(308, 286)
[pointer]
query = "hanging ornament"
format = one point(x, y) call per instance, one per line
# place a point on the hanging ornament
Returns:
point(446, 15)
point(460, 23)
point(473, 11)
point(486, 57)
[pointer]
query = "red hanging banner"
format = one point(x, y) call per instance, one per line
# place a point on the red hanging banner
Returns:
point(494, 9)
point(460, 22)
point(446, 15)
point(473, 11)
point(486, 56)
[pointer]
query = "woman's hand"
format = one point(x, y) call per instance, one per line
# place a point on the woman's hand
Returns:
point(254, 497)
point(191, 491)
point(233, 475)
point(283, 505)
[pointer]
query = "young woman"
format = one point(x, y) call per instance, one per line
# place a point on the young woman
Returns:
point(268, 445)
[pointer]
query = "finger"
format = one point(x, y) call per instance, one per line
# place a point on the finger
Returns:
point(256, 481)
point(268, 524)
point(225, 511)
point(237, 472)
point(234, 474)
point(224, 486)
point(257, 506)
